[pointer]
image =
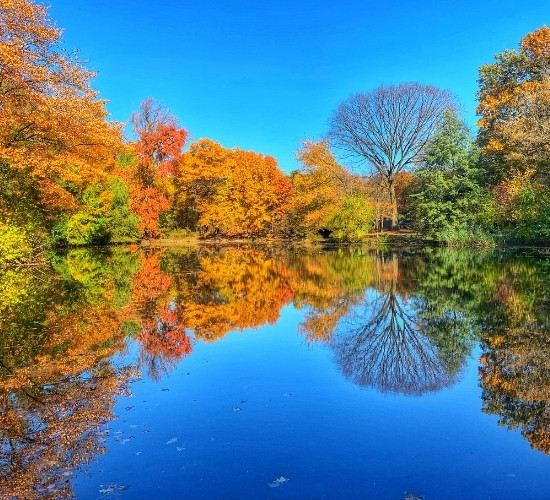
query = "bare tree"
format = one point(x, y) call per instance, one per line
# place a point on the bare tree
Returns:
point(387, 128)
point(380, 346)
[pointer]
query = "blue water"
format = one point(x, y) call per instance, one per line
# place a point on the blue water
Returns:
point(258, 405)
point(276, 374)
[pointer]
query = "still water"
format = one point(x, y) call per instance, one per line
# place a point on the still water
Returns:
point(243, 373)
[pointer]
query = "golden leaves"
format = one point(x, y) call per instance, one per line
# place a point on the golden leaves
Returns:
point(233, 192)
point(51, 126)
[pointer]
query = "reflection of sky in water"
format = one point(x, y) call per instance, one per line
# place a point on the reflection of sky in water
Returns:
point(300, 419)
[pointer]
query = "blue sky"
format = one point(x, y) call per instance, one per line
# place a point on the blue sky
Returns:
point(263, 75)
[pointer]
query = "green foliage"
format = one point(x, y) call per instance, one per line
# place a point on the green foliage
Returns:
point(85, 228)
point(23, 223)
point(355, 218)
point(104, 217)
point(450, 290)
point(123, 224)
point(452, 202)
point(58, 234)
point(14, 245)
point(92, 275)
point(532, 215)
point(126, 159)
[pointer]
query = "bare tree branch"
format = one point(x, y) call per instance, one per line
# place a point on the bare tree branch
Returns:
point(387, 128)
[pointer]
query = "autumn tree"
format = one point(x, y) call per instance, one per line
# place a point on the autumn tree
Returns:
point(514, 102)
point(328, 197)
point(514, 105)
point(230, 192)
point(53, 128)
point(386, 129)
point(159, 146)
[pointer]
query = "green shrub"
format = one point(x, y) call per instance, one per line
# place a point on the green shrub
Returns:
point(86, 229)
point(15, 246)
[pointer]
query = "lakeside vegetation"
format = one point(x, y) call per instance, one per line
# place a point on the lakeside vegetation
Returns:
point(68, 177)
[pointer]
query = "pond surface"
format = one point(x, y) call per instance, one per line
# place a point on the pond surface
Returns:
point(240, 373)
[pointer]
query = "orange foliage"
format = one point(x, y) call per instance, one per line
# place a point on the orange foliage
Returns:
point(51, 124)
point(162, 331)
point(404, 186)
point(536, 46)
point(236, 289)
point(234, 192)
point(159, 150)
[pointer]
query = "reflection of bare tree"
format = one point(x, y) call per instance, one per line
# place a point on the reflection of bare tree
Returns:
point(382, 344)
point(386, 351)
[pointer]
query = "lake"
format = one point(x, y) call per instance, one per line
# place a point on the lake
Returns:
point(276, 373)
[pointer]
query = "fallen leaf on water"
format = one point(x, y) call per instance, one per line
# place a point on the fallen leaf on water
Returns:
point(236, 408)
point(112, 488)
point(170, 441)
point(278, 482)
point(410, 496)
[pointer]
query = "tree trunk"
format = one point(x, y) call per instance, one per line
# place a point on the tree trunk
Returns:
point(393, 202)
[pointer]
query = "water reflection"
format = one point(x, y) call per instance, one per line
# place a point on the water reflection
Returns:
point(230, 289)
point(380, 346)
point(515, 365)
point(58, 384)
point(396, 322)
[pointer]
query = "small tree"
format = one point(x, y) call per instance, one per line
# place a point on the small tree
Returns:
point(159, 150)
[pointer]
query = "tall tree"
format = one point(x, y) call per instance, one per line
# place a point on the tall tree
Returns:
point(159, 150)
point(386, 129)
point(514, 106)
point(452, 198)
point(52, 126)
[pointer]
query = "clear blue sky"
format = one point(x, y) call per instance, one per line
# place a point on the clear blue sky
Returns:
point(262, 75)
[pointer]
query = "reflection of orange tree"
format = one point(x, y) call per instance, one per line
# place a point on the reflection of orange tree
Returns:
point(515, 365)
point(161, 330)
point(57, 387)
point(233, 290)
point(324, 291)
point(52, 408)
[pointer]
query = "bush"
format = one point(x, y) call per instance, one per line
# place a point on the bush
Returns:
point(355, 218)
point(463, 238)
point(15, 246)
point(86, 229)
